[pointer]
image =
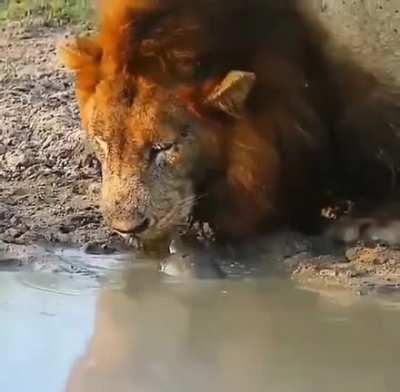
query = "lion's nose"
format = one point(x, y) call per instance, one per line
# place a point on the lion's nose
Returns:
point(130, 226)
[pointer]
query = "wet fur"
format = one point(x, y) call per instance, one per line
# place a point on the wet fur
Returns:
point(313, 124)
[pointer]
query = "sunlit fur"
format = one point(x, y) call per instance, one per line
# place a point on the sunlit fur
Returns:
point(311, 123)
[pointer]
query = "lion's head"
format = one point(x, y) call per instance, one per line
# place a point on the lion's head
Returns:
point(154, 146)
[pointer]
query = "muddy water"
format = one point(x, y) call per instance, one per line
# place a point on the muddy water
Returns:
point(114, 324)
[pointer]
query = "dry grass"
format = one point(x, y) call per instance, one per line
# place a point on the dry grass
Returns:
point(47, 12)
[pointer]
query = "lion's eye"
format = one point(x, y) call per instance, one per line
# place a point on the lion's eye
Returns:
point(158, 148)
point(185, 130)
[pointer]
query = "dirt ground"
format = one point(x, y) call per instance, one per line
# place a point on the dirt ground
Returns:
point(49, 180)
point(47, 175)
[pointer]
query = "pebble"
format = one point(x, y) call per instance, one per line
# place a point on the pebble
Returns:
point(97, 248)
point(177, 266)
point(328, 272)
point(12, 232)
point(351, 253)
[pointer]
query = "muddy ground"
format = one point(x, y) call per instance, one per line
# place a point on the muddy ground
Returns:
point(49, 179)
point(47, 175)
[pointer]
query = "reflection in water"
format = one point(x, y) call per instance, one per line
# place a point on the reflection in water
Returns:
point(118, 329)
point(232, 336)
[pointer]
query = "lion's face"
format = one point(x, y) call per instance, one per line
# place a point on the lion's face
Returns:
point(153, 145)
point(149, 146)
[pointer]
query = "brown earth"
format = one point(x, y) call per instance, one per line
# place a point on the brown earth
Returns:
point(47, 174)
point(49, 179)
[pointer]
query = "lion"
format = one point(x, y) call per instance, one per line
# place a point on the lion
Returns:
point(233, 113)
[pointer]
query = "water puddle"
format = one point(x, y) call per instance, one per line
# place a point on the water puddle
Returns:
point(114, 323)
point(73, 272)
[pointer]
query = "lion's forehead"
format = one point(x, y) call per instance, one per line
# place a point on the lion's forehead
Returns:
point(152, 116)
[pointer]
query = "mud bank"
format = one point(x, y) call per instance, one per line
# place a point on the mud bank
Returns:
point(48, 178)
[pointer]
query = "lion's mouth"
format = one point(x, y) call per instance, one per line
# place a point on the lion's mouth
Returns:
point(130, 239)
point(136, 231)
point(143, 236)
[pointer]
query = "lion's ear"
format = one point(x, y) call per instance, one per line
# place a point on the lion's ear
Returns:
point(231, 93)
point(83, 57)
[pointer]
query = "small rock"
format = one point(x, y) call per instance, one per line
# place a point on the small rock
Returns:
point(328, 273)
point(97, 248)
point(351, 253)
point(177, 266)
point(12, 232)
